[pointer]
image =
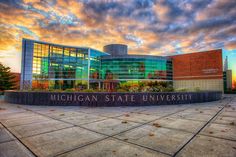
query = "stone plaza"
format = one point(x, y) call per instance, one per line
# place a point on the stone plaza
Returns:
point(200, 129)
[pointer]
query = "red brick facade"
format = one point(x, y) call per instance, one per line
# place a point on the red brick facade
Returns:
point(201, 65)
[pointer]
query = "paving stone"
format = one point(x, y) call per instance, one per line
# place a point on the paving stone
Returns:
point(16, 115)
point(157, 110)
point(57, 142)
point(138, 117)
point(220, 130)
point(24, 120)
point(38, 128)
point(157, 113)
point(63, 114)
point(5, 135)
point(177, 123)
point(36, 108)
point(225, 120)
point(89, 110)
point(161, 110)
point(49, 108)
point(9, 110)
point(228, 114)
point(86, 118)
point(52, 110)
point(98, 110)
point(160, 139)
point(14, 149)
point(210, 106)
point(110, 126)
point(203, 146)
point(202, 110)
point(112, 148)
point(193, 116)
point(132, 109)
point(109, 114)
point(231, 109)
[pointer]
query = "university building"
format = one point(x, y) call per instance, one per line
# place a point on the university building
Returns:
point(52, 66)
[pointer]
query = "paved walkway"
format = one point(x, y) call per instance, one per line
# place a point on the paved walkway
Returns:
point(207, 129)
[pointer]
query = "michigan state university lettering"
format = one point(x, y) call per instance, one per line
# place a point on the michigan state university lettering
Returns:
point(170, 97)
point(118, 97)
point(72, 97)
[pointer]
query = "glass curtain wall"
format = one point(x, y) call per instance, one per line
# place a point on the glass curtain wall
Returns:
point(58, 67)
point(95, 69)
point(136, 69)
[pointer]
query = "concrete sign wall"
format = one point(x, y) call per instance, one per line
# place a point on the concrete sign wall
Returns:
point(109, 99)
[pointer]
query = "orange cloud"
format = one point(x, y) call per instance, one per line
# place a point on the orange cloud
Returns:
point(161, 11)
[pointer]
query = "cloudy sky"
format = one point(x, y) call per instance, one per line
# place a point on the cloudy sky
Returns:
point(155, 27)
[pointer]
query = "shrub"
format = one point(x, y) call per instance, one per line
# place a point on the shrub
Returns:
point(81, 86)
point(124, 86)
point(121, 90)
point(88, 90)
point(101, 90)
point(70, 90)
point(163, 84)
point(181, 90)
point(141, 84)
point(157, 89)
point(169, 89)
point(55, 90)
point(36, 90)
point(197, 89)
point(146, 89)
point(134, 89)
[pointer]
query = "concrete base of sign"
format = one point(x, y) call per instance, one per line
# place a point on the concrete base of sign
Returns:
point(110, 99)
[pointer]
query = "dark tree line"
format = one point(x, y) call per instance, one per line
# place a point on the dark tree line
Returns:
point(6, 78)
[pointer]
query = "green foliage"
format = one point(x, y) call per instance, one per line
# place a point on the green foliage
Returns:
point(35, 90)
point(181, 90)
point(81, 86)
point(55, 90)
point(169, 89)
point(87, 90)
point(70, 90)
point(125, 86)
point(134, 89)
point(151, 86)
point(121, 90)
point(141, 84)
point(6, 78)
point(100, 90)
point(146, 89)
point(158, 88)
point(197, 89)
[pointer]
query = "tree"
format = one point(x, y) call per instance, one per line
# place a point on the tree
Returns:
point(6, 78)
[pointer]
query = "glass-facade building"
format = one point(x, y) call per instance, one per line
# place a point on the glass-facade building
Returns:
point(52, 66)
